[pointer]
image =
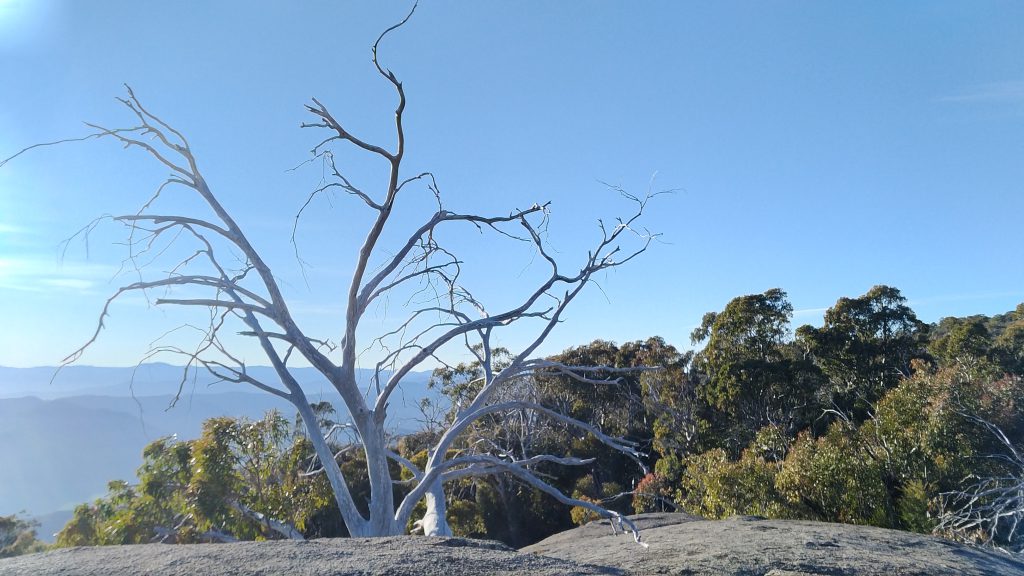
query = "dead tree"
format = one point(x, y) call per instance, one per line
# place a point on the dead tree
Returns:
point(989, 511)
point(245, 291)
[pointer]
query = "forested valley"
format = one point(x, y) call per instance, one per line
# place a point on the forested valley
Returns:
point(875, 418)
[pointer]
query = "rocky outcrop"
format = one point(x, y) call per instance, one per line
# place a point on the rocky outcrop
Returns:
point(397, 555)
point(677, 544)
point(683, 544)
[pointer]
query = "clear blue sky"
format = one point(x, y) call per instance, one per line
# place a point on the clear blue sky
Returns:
point(820, 147)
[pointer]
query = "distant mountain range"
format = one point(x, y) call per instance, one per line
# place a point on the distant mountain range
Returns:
point(48, 382)
point(62, 441)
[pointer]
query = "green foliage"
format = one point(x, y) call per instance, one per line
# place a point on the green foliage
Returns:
point(917, 435)
point(967, 345)
point(889, 471)
point(1009, 342)
point(863, 420)
point(214, 479)
point(81, 530)
point(188, 490)
point(678, 417)
point(915, 509)
point(741, 426)
point(836, 479)
point(865, 347)
point(771, 444)
point(581, 515)
point(467, 519)
point(588, 490)
point(460, 384)
point(1005, 338)
point(743, 355)
point(752, 375)
point(714, 486)
point(18, 536)
point(619, 405)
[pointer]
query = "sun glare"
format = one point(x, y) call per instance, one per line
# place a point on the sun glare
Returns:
point(24, 22)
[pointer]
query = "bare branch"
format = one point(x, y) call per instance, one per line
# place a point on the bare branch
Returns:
point(492, 465)
point(214, 304)
point(318, 109)
point(243, 297)
point(48, 144)
point(282, 528)
point(991, 510)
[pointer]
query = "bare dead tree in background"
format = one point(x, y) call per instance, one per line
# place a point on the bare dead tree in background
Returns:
point(238, 287)
point(989, 511)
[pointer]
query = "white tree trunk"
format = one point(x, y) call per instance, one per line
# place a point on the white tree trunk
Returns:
point(435, 521)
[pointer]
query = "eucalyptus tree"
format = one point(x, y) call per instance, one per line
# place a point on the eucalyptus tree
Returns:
point(749, 368)
point(225, 274)
point(865, 347)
